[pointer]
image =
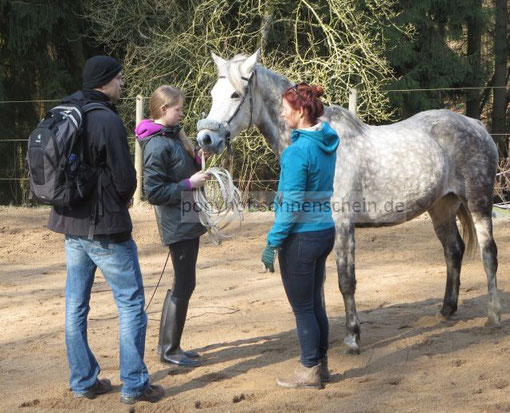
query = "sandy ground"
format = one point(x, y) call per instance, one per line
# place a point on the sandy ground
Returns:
point(241, 323)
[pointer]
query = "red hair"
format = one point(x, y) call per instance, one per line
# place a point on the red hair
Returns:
point(303, 95)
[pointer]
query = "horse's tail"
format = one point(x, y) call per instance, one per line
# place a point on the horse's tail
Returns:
point(468, 229)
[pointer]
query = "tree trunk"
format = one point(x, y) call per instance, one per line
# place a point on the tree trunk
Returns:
point(474, 53)
point(267, 22)
point(500, 69)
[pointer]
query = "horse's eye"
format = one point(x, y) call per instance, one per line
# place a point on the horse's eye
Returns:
point(235, 95)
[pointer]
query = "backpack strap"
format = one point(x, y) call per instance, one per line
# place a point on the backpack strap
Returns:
point(92, 106)
point(97, 210)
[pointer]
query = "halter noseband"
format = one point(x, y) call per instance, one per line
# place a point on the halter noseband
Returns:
point(225, 125)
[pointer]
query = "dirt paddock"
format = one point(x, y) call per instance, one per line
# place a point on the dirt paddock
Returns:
point(241, 323)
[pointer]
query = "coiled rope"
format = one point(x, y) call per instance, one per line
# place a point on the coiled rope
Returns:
point(217, 209)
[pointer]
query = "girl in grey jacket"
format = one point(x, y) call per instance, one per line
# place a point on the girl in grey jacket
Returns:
point(171, 171)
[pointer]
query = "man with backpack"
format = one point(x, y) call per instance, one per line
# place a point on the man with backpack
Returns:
point(97, 232)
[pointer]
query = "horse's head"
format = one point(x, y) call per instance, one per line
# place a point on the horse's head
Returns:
point(232, 103)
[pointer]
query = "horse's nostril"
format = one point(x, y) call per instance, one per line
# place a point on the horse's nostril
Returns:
point(206, 140)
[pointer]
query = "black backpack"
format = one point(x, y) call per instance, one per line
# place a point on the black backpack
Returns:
point(57, 173)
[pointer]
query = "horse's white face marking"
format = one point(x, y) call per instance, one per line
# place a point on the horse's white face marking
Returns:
point(224, 102)
point(230, 94)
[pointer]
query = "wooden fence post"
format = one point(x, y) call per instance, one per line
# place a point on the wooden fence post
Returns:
point(138, 154)
point(353, 101)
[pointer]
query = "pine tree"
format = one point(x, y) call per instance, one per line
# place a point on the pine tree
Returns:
point(427, 58)
point(42, 51)
point(475, 25)
point(500, 75)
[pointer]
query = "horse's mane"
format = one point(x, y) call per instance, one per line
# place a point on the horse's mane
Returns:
point(232, 70)
point(276, 79)
point(233, 73)
point(350, 122)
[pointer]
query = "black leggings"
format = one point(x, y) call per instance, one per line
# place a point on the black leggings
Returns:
point(184, 259)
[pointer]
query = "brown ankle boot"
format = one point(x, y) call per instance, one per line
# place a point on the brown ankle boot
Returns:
point(324, 370)
point(302, 377)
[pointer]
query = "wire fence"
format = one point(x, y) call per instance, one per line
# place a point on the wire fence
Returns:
point(13, 149)
point(384, 90)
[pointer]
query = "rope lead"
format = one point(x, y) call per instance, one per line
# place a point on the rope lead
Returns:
point(213, 217)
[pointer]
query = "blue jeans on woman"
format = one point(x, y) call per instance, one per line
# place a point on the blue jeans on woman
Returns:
point(119, 265)
point(303, 265)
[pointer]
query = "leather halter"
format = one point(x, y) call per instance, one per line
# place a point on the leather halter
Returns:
point(247, 90)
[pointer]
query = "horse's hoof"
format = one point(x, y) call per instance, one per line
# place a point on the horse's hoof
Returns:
point(493, 323)
point(442, 317)
point(352, 345)
point(447, 312)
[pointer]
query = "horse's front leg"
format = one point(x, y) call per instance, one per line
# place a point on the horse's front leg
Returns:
point(344, 253)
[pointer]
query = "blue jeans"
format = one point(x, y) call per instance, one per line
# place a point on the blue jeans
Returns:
point(303, 265)
point(119, 264)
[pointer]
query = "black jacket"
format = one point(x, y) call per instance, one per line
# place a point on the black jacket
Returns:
point(106, 148)
point(166, 167)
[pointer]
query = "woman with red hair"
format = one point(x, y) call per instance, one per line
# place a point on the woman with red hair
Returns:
point(304, 232)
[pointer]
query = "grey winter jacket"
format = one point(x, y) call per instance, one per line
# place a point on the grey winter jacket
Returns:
point(167, 165)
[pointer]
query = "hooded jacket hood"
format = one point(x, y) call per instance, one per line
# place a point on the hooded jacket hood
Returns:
point(147, 128)
point(325, 137)
point(76, 98)
point(81, 98)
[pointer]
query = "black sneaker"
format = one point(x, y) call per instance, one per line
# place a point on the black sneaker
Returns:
point(102, 386)
point(151, 394)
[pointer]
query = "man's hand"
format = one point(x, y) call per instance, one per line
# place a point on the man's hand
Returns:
point(268, 256)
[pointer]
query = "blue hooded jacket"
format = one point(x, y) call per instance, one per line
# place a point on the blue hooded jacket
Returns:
point(307, 169)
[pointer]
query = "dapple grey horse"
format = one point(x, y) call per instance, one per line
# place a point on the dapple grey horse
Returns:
point(437, 161)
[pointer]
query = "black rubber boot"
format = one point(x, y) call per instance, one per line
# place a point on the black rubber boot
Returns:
point(163, 318)
point(173, 319)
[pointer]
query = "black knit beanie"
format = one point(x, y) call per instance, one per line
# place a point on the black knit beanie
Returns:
point(99, 70)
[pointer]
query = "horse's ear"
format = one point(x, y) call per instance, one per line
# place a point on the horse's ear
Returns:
point(218, 61)
point(248, 65)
